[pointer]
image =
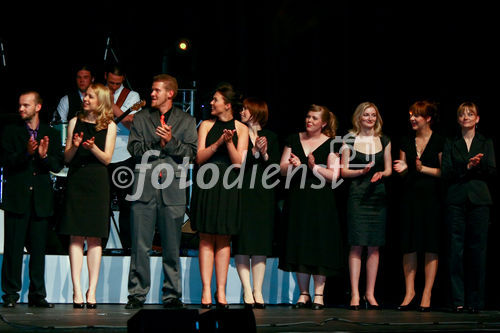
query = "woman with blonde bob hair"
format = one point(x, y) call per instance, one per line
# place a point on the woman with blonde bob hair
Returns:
point(89, 147)
point(312, 239)
point(366, 158)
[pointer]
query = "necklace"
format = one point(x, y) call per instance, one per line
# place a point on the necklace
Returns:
point(421, 151)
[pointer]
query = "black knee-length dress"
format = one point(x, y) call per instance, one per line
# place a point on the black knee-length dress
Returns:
point(215, 208)
point(87, 198)
point(258, 204)
point(422, 199)
point(367, 202)
point(312, 240)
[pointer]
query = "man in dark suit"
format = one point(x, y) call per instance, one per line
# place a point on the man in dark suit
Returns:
point(30, 151)
point(163, 140)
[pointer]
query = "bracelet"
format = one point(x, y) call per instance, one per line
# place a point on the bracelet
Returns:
point(46, 155)
point(212, 148)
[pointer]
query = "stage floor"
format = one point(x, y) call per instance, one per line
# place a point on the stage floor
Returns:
point(275, 318)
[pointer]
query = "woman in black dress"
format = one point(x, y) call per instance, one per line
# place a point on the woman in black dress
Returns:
point(89, 147)
point(468, 166)
point(257, 203)
point(216, 206)
point(420, 165)
point(312, 239)
point(366, 158)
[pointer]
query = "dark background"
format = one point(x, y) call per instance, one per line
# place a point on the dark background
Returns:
point(289, 53)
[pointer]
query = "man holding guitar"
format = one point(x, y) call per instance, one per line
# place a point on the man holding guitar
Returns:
point(127, 103)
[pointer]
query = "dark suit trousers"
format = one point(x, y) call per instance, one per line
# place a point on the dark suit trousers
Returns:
point(468, 229)
point(144, 217)
point(119, 194)
point(21, 230)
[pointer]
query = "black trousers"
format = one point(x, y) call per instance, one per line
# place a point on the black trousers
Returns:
point(468, 230)
point(22, 230)
point(118, 193)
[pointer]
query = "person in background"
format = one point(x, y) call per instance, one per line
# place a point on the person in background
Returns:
point(70, 104)
point(123, 99)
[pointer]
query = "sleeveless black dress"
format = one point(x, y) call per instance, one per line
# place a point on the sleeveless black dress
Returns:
point(422, 199)
point(215, 206)
point(258, 204)
point(87, 198)
point(312, 236)
point(367, 202)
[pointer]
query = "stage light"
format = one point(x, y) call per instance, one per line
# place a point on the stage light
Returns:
point(183, 45)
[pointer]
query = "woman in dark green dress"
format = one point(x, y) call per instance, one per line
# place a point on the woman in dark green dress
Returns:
point(421, 219)
point(312, 239)
point(216, 205)
point(366, 158)
point(89, 147)
point(257, 203)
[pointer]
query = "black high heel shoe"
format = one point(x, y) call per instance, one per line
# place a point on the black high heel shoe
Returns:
point(206, 306)
point(317, 306)
point(424, 309)
point(78, 305)
point(219, 305)
point(91, 305)
point(258, 305)
point(88, 304)
point(302, 305)
point(410, 306)
point(369, 306)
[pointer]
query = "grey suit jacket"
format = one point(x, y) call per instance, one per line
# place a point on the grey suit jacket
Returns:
point(143, 141)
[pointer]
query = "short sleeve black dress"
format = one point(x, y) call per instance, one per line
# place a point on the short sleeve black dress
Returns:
point(366, 202)
point(312, 237)
point(258, 204)
point(87, 198)
point(421, 215)
point(215, 206)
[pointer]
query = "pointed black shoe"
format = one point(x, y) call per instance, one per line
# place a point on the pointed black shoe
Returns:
point(303, 305)
point(354, 307)
point(260, 306)
point(369, 306)
point(206, 306)
point(219, 305)
point(78, 305)
point(91, 305)
point(424, 309)
point(409, 306)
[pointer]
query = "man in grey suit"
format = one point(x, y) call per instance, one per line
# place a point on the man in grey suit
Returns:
point(163, 140)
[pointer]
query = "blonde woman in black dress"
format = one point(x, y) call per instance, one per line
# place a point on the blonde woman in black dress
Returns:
point(312, 241)
point(366, 159)
point(89, 147)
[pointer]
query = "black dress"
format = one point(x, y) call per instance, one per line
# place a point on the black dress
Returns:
point(87, 199)
point(366, 202)
point(421, 216)
point(215, 208)
point(258, 204)
point(312, 239)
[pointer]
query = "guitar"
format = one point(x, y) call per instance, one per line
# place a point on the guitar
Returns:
point(135, 107)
